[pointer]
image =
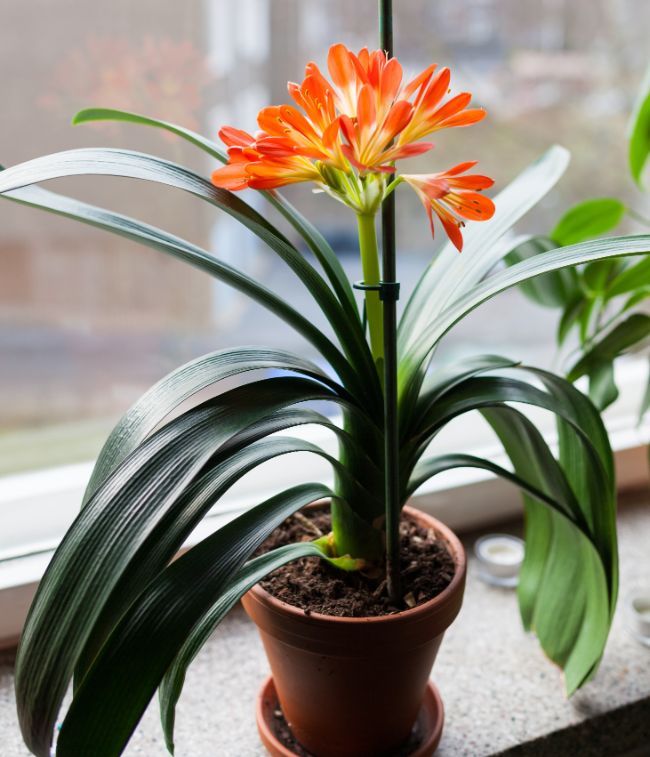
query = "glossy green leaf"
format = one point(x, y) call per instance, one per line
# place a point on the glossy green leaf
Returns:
point(314, 239)
point(588, 220)
point(443, 379)
point(164, 397)
point(129, 164)
point(172, 684)
point(151, 556)
point(639, 131)
point(551, 290)
point(430, 467)
point(585, 252)
point(125, 675)
point(195, 256)
point(558, 396)
point(110, 530)
point(596, 276)
point(636, 299)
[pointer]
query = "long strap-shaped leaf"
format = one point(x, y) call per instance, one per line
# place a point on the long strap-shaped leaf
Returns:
point(567, 586)
point(135, 165)
point(115, 523)
point(253, 572)
point(190, 253)
point(445, 378)
point(560, 398)
point(314, 239)
point(126, 674)
point(416, 356)
point(450, 275)
point(180, 519)
point(183, 383)
point(430, 467)
point(485, 391)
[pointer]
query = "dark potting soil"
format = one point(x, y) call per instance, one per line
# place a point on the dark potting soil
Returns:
point(286, 738)
point(315, 586)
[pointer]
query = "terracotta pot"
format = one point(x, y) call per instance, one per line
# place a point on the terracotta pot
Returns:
point(353, 687)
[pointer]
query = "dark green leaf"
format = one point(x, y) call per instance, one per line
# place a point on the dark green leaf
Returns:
point(430, 467)
point(131, 665)
point(314, 239)
point(172, 684)
point(129, 164)
point(167, 537)
point(588, 220)
point(441, 380)
point(110, 530)
point(180, 385)
point(190, 253)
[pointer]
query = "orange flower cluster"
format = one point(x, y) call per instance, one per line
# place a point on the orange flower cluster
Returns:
point(350, 133)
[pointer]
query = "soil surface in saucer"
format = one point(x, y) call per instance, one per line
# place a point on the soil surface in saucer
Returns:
point(315, 586)
point(287, 739)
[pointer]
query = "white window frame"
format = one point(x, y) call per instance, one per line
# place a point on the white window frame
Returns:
point(43, 503)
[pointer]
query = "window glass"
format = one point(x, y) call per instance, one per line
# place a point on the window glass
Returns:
point(88, 321)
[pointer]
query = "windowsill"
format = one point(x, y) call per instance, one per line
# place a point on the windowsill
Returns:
point(501, 695)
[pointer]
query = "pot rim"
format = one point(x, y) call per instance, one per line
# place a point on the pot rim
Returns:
point(412, 614)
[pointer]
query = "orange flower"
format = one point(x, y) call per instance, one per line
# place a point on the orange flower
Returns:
point(451, 195)
point(347, 133)
point(262, 163)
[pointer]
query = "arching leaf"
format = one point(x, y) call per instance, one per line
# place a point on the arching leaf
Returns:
point(314, 239)
point(172, 684)
point(125, 675)
point(129, 164)
point(157, 239)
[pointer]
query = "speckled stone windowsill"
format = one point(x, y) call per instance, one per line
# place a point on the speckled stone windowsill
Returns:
point(501, 696)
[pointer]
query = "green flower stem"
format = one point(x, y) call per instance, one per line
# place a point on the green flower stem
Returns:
point(372, 275)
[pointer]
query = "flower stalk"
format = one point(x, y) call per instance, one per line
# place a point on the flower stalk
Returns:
point(368, 250)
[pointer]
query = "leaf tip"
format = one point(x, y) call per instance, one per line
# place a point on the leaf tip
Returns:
point(82, 116)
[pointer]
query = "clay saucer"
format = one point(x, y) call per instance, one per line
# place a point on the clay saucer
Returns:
point(429, 722)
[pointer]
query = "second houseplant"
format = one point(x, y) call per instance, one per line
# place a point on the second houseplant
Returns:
point(115, 611)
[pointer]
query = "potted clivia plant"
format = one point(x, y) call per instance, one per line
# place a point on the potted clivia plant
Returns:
point(115, 612)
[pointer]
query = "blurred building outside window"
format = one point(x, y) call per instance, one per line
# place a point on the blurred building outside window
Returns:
point(89, 321)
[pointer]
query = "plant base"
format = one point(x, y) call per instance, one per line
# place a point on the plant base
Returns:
point(429, 723)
